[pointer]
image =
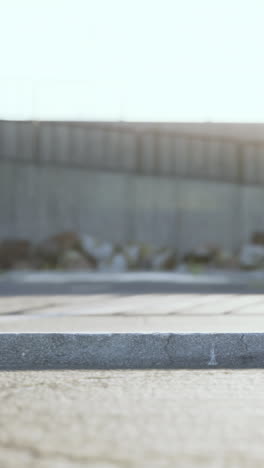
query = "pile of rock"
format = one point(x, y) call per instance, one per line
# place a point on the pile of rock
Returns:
point(129, 257)
point(70, 251)
point(16, 254)
point(64, 251)
point(61, 251)
point(252, 254)
point(210, 256)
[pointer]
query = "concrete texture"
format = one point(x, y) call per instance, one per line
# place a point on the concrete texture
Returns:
point(131, 351)
point(131, 324)
point(178, 212)
point(131, 419)
point(127, 324)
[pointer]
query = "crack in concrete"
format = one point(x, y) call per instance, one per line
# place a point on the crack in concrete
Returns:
point(166, 348)
point(35, 453)
point(30, 309)
point(243, 342)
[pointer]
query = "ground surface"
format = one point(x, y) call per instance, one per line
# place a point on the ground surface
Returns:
point(131, 419)
point(132, 311)
point(127, 419)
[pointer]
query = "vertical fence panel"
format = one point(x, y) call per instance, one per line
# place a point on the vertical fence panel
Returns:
point(179, 151)
point(148, 154)
point(8, 140)
point(113, 154)
point(213, 159)
point(165, 154)
point(7, 199)
point(253, 219)
point(79, 146)
point(46, 149)
point(25, 140)
point(229, 162)
point(94, 147)
point(196, 158)
point(249, 164)
point(128, 151)
point(62, 143)
point(207, 214)
point(260, 164)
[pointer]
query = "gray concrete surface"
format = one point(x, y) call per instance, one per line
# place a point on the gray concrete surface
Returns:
point(138, 309)
point(127, 418)
point(29, 351)
point(150, 316)
point(131, 419)
point(131, 324)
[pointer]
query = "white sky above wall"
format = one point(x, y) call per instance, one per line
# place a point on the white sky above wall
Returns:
point(187, 60)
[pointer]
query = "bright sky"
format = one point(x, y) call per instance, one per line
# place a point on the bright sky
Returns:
point(184, 60)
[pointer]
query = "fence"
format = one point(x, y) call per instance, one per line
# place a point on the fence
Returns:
point(126, 182)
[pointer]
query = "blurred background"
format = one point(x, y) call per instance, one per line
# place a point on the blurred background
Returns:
point(131, 134)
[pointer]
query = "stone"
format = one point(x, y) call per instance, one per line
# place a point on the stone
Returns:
point(24, 265)
point(117, 264)
point(164, 259)
point(49, 250)
point(14, 251)
point(257, 238)
point(225, 259)
point(131, 351)
point(252, 256)
point(146, 254)
point(47, 254)
point(67, 240)
point(132, 254)
point(54, 251)
point(201, 254)
point(74, 260)
point(196, 268)
point(100, 251)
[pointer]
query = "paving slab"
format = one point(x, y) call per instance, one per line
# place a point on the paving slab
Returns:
point(136, 327)
point(24, 351)
point(132, 324)
point(113, 332)
point(154, 418)
point(131, 419)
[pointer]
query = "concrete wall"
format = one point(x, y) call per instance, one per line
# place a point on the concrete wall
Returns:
point(162, 150)
point(122, 190)
point(36, 201)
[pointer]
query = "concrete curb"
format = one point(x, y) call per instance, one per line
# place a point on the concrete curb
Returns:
point(29, 351)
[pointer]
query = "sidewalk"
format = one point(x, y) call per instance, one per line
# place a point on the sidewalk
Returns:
point(138, 326)
point(132, 419)
point(207, 418)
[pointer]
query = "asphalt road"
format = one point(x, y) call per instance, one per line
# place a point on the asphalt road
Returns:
point(131, 419)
